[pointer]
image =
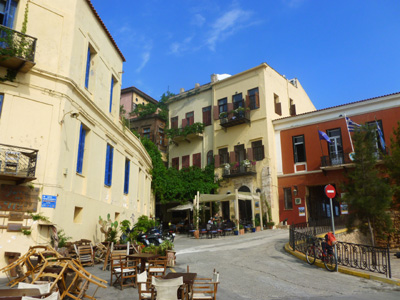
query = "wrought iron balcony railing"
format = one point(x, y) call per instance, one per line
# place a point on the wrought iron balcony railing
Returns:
point(239, 171)
point(17, 163)
point(17, 50)
point(335, 159)
point(234, 118)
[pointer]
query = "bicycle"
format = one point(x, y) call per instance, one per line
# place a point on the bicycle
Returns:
point(314, 252)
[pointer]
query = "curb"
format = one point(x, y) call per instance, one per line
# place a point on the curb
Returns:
point(342, 269)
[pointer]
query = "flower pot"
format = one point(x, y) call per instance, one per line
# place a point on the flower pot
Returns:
point(196, 234)
point(241, 231)
point(236, 232)
point(253, 229)
point(258, 228)
point(171, 258)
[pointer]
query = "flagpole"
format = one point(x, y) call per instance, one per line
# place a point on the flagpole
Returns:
point(322, 151)
point(347, 126)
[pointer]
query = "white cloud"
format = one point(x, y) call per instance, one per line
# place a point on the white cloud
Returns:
point(179, 47)
point(226, 25)
point(198, 20)
point(145, 56)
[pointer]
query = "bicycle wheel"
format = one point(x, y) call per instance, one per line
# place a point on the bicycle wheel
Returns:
point(310, 255)
point(330, 262)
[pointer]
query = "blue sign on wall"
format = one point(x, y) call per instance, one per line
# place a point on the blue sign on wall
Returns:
point(49, 201)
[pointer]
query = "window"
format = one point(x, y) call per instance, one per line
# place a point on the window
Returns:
point(81, 149)
point(185, 161)
point(299, 149)
point(238, 101)
point(78, 212)
point(109, 165)
point(223, 105)
point(278, 106)
point(111, 92)
point(288, 198)
point(335, 146)
point(88, 62)
point(292, 108)
point(207, 115)
point(7, 12)
point(197, 160)
point(174, 122)
point(223, 156)
point(161, 135)
point(258, 150)
point(210, 157)
point(126, 178)
point(379, 136)
point(175, 163)
point(1, 103)
point(254, 98)
point(146, 132)
point(189, 118)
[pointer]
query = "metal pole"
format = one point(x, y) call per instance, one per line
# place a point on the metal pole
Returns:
point(333, 230)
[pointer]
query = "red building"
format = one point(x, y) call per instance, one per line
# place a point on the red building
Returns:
point(306, 164)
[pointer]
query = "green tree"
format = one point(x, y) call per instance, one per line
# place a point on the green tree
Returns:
point(392, 163)
point(143, 110)
point(366, 191)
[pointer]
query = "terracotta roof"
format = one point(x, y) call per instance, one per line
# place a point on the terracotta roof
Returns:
point(137, 91)
point(310, 112)
point(105, 28)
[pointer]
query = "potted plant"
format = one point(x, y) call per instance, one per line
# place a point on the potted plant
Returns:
point(167, 249)
point(223, 115)
point(270, 225)
point(257, 224)
point(241, 229)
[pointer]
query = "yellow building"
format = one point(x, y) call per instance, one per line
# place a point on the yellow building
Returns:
point(241, 135)
point(64, 152)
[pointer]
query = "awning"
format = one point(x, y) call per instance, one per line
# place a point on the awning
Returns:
point(181, 207)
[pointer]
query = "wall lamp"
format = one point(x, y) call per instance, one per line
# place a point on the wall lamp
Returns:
point(72, 115)
point(295, 190)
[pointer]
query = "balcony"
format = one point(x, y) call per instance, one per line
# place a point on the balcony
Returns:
point(17, 163)
point(235, 117)
point(188, 133)
point(239, 171)
point(17, 50)
point(336, 159)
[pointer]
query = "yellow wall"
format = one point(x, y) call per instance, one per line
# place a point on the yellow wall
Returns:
point(38, 113)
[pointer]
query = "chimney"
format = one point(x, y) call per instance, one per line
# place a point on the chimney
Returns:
point(182, 90)
point(214, 78)
point(196, 85)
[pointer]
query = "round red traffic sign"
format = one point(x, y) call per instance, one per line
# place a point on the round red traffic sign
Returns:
point(330, 191)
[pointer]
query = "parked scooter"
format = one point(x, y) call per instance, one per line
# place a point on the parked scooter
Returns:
point(169, 235)
point(154, 237)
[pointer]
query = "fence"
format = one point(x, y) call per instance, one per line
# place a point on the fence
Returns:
point(363, 257)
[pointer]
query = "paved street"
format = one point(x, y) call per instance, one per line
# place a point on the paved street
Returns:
point(255, 266)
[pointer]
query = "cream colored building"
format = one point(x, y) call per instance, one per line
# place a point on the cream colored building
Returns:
point(241, 136)
point(60, 118)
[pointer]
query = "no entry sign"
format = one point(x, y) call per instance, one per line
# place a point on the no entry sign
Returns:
point(330, 191)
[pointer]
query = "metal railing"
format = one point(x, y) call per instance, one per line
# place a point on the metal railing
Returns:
point(239, 171)
point(235, 117)
point(335, 159)
point(17, 161)
point(17, 44)
point(363, 257)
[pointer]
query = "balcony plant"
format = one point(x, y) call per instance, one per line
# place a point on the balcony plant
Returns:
point(223, 115)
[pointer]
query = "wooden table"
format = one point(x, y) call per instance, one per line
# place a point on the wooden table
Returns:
point(188, 279)
point(143, 259)
point(14, 294)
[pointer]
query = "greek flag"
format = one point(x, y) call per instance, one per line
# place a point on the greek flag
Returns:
point(383, 144)
point(351, 125)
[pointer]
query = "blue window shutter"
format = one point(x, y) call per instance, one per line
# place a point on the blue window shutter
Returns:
point(111, 163)
point(11, 7)
point(111, 92)
point(126, 181)
point(1, 102)
point(81, 149)
point(87, 68)
point(107, 173)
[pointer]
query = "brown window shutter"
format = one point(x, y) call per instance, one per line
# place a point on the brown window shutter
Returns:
point(263, 153)
point(257, 100)
point(215, 112)
point(230, 107)
point(216, 160)
point(232, 156)
point(184, 123)
point(247, 101)
point(250, 153)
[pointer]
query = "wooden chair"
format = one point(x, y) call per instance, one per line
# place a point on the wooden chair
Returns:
point(124, 270)
point(115, 250)
point(157, 268)
point(145, 289)
point(206, 288)
point(167, 289)
point(85, 254)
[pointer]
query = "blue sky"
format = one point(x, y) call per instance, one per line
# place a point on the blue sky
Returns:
point(341, 51)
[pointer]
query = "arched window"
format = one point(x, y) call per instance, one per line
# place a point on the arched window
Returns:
point(244, 188)
point(210, 157)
